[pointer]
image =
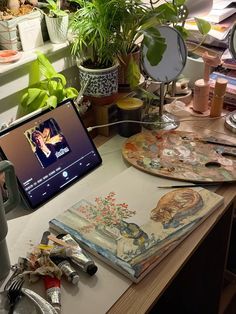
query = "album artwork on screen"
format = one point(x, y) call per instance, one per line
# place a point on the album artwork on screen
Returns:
point(47, 142)
point(133, 226)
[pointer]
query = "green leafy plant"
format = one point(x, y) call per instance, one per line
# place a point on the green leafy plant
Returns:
point(104, 30)
point(54, 9)
point(93, 28)
point(49, 91)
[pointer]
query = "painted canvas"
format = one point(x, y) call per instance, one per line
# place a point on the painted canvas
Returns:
point(181, 155)
point(131, 224)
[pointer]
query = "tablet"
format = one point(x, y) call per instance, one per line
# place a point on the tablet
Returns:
point(50, 151)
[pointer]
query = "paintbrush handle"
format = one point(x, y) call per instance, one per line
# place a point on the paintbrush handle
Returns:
point(219, 143)
point(183, 186)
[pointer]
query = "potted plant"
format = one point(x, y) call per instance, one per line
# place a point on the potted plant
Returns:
point(94, 44)
point(137, 25)
point(47, 92)
point(57, 21)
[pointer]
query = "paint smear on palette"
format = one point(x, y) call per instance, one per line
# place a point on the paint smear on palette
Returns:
point(181, 155)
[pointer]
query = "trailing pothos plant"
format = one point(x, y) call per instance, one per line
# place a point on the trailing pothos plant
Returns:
point(46, 87)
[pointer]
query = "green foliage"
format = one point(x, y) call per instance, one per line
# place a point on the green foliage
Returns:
point(133, 73)
point(93, 27)
point(48, 92)
point(203, 26)
point(103, 30)
point(54, 8)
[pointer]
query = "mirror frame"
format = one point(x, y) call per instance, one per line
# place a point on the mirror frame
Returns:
point(231, 41)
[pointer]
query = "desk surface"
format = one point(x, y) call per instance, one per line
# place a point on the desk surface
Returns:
point(144, 294)
point(108, 290)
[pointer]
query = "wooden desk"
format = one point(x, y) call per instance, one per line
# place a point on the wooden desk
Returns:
point(193, 271)
point(190, 279)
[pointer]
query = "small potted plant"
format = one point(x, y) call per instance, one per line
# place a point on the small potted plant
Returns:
point(57, 21)
point(45, 92)
point(93, 43)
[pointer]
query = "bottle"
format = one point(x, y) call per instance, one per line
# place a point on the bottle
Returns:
point(201, 96)
point(202, 86)
point(218, 97)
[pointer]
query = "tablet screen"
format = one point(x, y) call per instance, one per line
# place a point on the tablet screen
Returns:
point(50, 151)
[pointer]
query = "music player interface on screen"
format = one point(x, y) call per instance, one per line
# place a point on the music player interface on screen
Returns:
point(49, 152)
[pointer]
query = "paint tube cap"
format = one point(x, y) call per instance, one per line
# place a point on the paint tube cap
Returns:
point(75, 279)
point(91, 269)
point(57, 308)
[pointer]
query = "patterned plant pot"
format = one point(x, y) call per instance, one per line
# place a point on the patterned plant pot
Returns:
point(57, 28)
point(103, 83)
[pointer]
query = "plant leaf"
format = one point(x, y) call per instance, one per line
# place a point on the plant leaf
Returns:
point(203, 26)
point(45, 67)
point(71, 92)
point(133, 73)
point(52, 102)
point(155, 44)
point(183, 31)
point(167, 12)
point(32, 100)
point(33, 93)
point(34, 73)
point(179, 2)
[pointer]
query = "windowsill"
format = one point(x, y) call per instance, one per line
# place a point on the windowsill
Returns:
point(14, 77)
point(29, 56)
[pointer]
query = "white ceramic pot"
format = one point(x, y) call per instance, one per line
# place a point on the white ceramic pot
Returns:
point(57, 28)
point(193, 70)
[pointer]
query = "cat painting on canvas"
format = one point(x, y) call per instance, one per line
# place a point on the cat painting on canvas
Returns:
point(133, 231)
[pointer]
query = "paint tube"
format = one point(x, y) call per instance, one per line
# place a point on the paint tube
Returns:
point(67, 269)
point(78, 256)
point(53, 291)
point(61, 251)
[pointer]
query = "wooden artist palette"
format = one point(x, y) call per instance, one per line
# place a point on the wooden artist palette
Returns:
point(181, 155)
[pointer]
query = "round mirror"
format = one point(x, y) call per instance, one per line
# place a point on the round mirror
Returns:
point(168, 69)
point(173, 60)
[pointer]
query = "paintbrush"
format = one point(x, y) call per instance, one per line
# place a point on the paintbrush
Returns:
point(216, 142)
point(186, 185)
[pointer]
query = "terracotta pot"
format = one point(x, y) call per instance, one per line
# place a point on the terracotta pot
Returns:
point(103, 84)
point(123, 67)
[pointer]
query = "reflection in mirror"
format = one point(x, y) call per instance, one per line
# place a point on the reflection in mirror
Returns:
point(167, 70)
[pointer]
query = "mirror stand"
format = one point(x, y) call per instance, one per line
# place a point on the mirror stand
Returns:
point(160, 120)
point(167, 70)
